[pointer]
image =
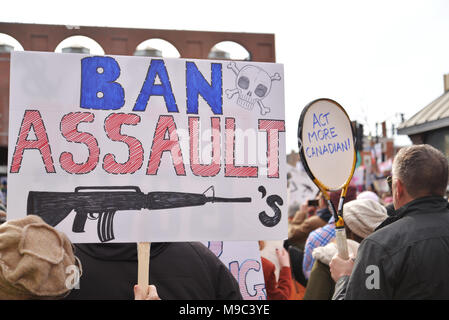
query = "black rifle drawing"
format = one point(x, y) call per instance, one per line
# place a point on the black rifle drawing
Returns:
point(53, 207)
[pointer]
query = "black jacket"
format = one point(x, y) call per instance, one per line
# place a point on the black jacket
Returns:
point(407, 257)
point(179, 270)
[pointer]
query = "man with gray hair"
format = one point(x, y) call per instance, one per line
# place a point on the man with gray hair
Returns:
point(407, 257)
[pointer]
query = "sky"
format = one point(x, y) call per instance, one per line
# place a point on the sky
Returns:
point(378, 59)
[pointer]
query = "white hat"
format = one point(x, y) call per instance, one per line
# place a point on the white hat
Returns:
point(368, 195)
point(362, 216)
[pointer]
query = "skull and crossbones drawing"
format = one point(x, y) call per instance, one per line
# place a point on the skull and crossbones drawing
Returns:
point(253, 85)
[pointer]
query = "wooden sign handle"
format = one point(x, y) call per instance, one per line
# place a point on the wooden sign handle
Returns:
point(143, 258)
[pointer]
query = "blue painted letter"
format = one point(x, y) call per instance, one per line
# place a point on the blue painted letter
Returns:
point(98, 87)
point(197, 85)
point(157, 68)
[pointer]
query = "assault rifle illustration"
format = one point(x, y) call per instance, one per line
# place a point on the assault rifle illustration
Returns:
point(53, 207)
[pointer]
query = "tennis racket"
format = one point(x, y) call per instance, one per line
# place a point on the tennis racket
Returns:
point(327, 152)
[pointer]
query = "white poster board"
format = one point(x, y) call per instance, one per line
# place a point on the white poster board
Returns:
point(301, 187)
point(154, 149)
point(244, 262)
point(327, 143)
point(358, 179)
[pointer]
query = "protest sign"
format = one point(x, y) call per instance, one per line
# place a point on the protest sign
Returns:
point(301, 187)
point(358, 179)
point(153, 149)
point(326, 145)
point(244, 262)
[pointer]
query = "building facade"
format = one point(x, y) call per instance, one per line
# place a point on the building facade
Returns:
point(431, 124)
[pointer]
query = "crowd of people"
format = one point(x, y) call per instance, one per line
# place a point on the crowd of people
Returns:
point(397, 250)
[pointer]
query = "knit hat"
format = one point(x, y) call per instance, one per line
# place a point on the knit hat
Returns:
point(362, 216)
point(368, 195)
point(34, 260)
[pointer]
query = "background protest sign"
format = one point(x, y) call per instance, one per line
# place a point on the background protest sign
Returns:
point(301, 187)
point(244, 262)
point(154, 149)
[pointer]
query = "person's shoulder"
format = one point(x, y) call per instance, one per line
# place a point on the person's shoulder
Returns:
point(387, 234)
point(410, 227)
point(199, 247)
point(322, 229)
point(196, 248)
point(201, 251)
point(390, 239)
point(315, 234)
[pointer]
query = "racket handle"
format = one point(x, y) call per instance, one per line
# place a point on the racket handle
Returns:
point(342, 244)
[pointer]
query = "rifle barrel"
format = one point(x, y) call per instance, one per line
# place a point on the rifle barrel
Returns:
point(218, 199)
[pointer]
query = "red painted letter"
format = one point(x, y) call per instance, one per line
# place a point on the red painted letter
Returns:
point(32, 118)
point(160, 145)
point(69, 129)
point(272, 127)
point(112, 126)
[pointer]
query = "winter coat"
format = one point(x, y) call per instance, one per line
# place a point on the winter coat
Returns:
point(300, 226)
point(321, 285)
point(406, 258)
point(276, 290)
point(179, 270)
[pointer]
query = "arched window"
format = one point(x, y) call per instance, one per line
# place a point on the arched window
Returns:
point(8, 44)
point(157, 48)
point(79, 44)
point(229, 50)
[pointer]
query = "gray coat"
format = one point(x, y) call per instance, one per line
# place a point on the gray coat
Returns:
point(406, 258)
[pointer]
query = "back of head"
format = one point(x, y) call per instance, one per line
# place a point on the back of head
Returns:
point(34, 258)
point(363, 216)
point(422, 169)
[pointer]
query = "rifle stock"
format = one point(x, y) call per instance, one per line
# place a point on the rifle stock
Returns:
point(48, 206)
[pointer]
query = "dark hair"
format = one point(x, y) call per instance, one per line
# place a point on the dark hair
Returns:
point(422, 169)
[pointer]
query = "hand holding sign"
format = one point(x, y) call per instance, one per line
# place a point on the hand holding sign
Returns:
point(326, 148)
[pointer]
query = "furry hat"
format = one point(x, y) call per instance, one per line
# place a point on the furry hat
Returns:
point(34, 260)
point(325, 254)
point(368, 195)
point(363, 216)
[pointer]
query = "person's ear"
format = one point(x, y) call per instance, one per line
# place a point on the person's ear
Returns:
point(400, 190)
